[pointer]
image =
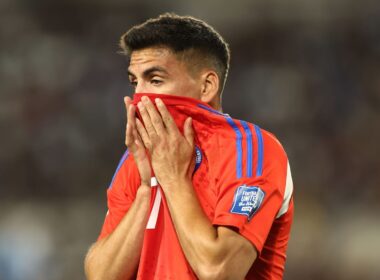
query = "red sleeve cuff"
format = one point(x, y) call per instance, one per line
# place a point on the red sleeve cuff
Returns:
point(238, 223)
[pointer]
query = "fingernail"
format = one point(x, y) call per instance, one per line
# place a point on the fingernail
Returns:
point(145, 99)
point(158, 101)
point(140, 105)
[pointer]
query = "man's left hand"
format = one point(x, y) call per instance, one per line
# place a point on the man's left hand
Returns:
point(171, 152)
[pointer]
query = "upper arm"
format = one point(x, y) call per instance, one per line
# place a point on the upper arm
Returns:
point(120, 194)
point(251, 202)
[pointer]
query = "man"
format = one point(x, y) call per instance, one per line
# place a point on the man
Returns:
point(219, 204)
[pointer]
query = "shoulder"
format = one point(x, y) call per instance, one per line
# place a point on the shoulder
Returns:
point(245, 131)
point(272, 143)
point(265, 146)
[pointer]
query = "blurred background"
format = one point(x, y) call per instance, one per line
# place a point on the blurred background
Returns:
point(309, 71)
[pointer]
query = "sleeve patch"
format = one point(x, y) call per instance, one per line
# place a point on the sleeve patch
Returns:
point(198, 158)
point(247, 200)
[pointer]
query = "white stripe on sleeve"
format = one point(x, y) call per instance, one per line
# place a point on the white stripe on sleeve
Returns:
point(287, 194)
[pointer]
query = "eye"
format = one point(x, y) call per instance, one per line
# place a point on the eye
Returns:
point(155, 81)
point(133, 83)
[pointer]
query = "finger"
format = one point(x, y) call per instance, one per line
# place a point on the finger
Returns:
point(147, 121)
point(154, 115)
point(171, 126)
point(188, 131)
point(129, 136)
point(131, 111)
point(130, 127)
point(143, 135)
point(127, 102)
point(131, 130)
point(131, 116)
point(138, 139)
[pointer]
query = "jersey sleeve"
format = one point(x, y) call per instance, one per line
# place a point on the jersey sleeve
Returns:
point(121, 193)
point(252, 185)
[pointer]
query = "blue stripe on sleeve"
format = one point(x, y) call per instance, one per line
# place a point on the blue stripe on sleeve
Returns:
point(239, 148)
point(124, 157)
point(248, 133)
point(260, 150)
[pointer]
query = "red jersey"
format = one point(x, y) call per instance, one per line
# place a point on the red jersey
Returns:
point(242, 179)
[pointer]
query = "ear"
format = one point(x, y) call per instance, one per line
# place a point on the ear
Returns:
point(210, 87)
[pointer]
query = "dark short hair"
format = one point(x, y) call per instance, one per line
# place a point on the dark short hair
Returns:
point(181, 34)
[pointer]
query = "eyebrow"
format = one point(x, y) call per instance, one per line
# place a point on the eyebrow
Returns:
point(149, 71)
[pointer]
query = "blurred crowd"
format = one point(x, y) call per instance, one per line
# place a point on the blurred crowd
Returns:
point(306, 71)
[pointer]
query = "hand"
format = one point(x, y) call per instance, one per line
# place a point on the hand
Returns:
point(171, 152)
point(135, 145)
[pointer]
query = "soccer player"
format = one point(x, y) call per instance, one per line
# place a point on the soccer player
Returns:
point(198, 194)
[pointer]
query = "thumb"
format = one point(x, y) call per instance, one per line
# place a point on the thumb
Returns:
point(127, 102)
point(188, 131)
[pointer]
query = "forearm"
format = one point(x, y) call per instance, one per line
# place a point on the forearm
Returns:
point(117, 255)
point(213, 253)
point(197, 236)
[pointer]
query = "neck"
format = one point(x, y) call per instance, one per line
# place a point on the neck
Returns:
point(216, 104)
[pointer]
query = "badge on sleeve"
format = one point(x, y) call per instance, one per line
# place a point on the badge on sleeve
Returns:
point(247, 200)
point(198, 158)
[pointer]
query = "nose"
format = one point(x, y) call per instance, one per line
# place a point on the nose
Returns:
point(140, 87)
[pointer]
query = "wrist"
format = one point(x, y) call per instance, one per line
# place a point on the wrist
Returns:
point(143, 192)
point(179, 184)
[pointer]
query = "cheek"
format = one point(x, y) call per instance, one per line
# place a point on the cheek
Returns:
point(167, 88)
point(180, 87)
point(191, 89)
point(174, 87)
point(149, 88)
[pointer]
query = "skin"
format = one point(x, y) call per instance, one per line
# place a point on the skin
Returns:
point(158, 70)
point(212, 252)
point(117, 255)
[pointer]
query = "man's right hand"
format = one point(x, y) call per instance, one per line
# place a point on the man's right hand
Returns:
point(135, 145)
point(117, 255)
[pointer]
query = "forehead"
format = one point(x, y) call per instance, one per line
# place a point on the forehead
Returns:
point(159, 56)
